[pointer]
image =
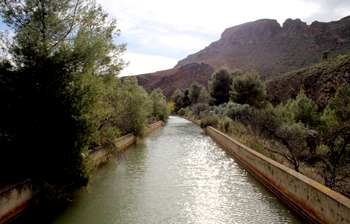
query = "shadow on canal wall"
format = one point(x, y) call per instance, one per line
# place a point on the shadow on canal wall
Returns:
point(15, 199)
point(313, 201)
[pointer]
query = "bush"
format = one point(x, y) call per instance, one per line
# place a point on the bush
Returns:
point(182, 112)
point(198, 108)
point(210, 121)
point(224, 125)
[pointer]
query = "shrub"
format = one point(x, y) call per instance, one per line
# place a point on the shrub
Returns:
point(182, 112)
point(210, 121)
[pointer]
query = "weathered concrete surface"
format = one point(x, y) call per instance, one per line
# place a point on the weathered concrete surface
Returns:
point(315, 202)
point(16, 198)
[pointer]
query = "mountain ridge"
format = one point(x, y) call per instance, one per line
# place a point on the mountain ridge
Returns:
point(263, 45)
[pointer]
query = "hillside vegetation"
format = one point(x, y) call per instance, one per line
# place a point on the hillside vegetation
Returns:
point(319, 82)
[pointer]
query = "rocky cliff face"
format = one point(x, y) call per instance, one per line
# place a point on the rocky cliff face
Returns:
point(263, 45)
point(272, 50)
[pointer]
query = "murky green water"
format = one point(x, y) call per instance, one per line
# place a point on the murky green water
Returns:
point(175, 175)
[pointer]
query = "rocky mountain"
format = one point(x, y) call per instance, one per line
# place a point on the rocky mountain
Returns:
point(263, 45)
point(272, 49)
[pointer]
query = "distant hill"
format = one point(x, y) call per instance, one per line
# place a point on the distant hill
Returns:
point(177, 78)
point(319, 82)
point(262, 45)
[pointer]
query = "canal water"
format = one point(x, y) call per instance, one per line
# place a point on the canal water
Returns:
point(175, 175)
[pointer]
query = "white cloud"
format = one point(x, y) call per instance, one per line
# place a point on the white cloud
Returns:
point(142, 63)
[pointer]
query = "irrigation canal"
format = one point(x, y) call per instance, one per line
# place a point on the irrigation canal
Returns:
point(177, 174)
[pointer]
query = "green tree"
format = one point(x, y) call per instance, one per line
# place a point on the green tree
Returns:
point(177, 98)
point(171, 107)
point(186, 98)
point(159, 105)
point(248, 89)
point(219, 86)
point(334, 152)
point(195, 90)
point(62, 56)
point(304, 110)
point(204, 97)
point(132, 107)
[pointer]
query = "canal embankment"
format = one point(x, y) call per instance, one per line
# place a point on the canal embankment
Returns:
point(313, 201)
point(16, 199)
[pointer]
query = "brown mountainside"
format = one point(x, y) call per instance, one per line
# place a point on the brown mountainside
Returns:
point(319, 82)
point(180, 78)
point(273, 50)
point(262, 45)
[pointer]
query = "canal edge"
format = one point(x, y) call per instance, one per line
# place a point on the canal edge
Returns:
point(313, 201)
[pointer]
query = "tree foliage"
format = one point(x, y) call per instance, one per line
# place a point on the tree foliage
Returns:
point(177, 98)
point(301, 109)
point(248, 89)
point(194, 92)
point(204, 97)
point(219, 86)
point(334, 152)
point(159, 105)
point(56, 82)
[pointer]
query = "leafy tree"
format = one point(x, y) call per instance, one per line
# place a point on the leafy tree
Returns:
point(204, 97)
point(290, 140)
point(334, 152)
point(186, 98)
point(171, 107)
point(62, 56)
point(219, 86)
point(177, 98)
point(304, 110)
point(194, 92)
point(132, 107)
point(248, 89)
point(159, 105)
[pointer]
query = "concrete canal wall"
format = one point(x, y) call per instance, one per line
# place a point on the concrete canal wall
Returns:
point(315, 202)
point(17, 198)
point(101, 154)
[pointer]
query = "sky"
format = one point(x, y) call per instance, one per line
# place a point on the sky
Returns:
point(159, 33)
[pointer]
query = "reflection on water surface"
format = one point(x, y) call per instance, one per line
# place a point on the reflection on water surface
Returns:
point(175, 175)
